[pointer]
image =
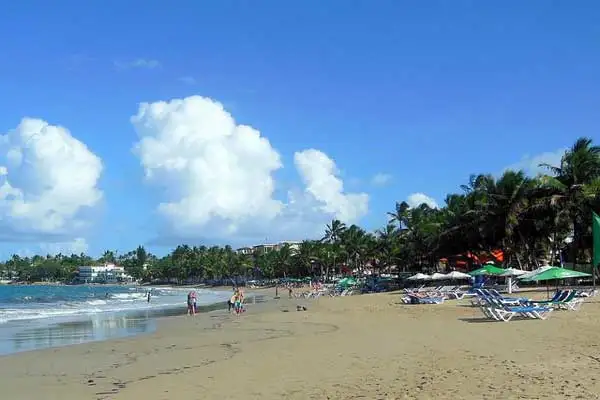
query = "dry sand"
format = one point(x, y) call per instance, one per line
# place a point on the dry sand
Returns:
point(367, 347)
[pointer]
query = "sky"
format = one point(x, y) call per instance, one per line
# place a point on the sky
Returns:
point(243, 122)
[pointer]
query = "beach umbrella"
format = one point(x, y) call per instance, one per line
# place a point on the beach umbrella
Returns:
point(419, 277)
point(457, 275)
point(438, 276)
point(557, 273)
point(509, 273)
point(487, 269)
point(537, 271)
point(513, 272)
point(347, 282)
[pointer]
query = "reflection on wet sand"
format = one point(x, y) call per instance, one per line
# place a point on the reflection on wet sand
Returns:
point(96, 327)
point(32, 335)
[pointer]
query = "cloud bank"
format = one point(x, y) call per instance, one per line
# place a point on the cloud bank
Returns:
point(47, 179)
point(216, 177)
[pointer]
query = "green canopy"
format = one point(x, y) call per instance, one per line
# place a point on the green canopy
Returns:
point(347, 282)
point(487, 269)
point(556, 273)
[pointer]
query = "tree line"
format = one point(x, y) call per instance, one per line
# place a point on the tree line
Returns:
point(529, 218)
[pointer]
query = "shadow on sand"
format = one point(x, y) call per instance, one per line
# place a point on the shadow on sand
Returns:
point(482, 320)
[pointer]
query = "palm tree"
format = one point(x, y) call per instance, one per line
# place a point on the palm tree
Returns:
point(333, 233)
point(283, 259)
point(386, 246)
point(572, 181)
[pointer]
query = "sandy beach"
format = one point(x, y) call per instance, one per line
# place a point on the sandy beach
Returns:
point(367, 347)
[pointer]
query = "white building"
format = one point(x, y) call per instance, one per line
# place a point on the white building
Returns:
point(293, 245)
point(267, 248)
point(108, 273)
point(245, 250)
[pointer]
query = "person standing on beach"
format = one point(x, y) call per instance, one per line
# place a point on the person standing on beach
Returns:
point(149, 295)
point(231, 301)
point(237, 304)
point(241, 300)
point(190, 304)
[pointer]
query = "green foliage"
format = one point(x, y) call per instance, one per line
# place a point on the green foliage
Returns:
point(529, 218)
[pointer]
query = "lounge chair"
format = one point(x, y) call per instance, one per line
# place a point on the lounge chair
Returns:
point(484, 295)
point(502, 312)
point(563, 299)
point(414, 299)
point(559, 296)
point(571, 302)
point(587, 293)
point(496, 294)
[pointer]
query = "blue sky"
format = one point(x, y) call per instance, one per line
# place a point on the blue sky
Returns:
point(425, 92)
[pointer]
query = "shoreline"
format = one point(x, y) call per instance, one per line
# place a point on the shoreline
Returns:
point(34, 334)
point(367, 346)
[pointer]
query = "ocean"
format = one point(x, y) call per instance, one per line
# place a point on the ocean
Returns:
point(42, 316)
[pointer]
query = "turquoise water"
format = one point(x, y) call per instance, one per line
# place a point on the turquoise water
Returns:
point(41, 316)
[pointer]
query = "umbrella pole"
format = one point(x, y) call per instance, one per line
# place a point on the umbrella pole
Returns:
point(509, 280)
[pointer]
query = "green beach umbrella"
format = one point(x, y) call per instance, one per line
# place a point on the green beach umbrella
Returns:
point(488, 269)
point(347, 282)
point(556, 273)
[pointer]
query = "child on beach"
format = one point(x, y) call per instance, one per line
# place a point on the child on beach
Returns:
point(238, 306)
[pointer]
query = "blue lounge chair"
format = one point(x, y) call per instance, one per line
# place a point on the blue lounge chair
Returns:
point(502, 312)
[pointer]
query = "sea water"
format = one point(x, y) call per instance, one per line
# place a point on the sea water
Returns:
point(41, 316)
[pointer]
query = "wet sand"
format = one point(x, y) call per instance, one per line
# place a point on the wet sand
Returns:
point(367, 347)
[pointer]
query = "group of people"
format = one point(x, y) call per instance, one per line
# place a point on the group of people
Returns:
point(236, 302)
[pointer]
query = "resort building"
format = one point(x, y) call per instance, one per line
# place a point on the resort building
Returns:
point(244, 250)
point(264, 248)
point(294, 245)
point(108, 273)
point(267, 248)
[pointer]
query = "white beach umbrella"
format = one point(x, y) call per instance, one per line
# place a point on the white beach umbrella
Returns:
point(419, 277)
point(509, 274)
point(438, 276)
point(458, 275)
point(513, 272)
point(534, 272)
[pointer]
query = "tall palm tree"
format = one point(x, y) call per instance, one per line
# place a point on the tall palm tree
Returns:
point(333, 233)
point(578, 171)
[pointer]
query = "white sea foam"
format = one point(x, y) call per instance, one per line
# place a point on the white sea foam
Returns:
point(132, 300)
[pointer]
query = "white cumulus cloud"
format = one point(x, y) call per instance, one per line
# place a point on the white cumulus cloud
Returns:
point(416, 199)
point(531, 164)
point(47, 178)
point(216, 177)
point(320, 175)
